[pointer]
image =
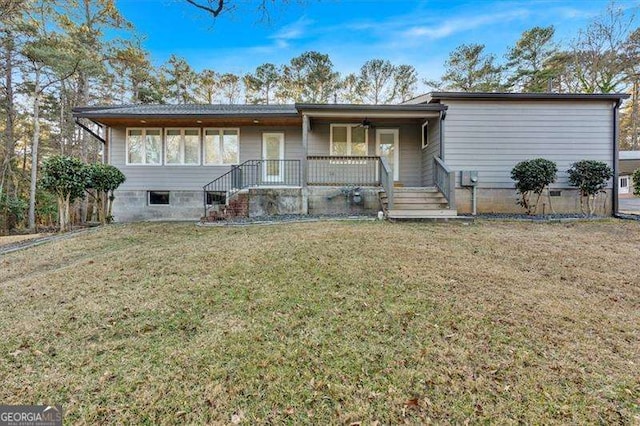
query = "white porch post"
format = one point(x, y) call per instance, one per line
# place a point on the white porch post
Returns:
point(305, 149)
point(304, 164)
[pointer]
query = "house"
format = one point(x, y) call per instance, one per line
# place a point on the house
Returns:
point(438, 155)
point(629, 162)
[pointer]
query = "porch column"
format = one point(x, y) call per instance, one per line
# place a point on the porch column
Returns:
point(305, 149)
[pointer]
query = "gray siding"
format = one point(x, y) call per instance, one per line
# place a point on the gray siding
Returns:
point(493, 136)
point(194, 177)
point(432, 150)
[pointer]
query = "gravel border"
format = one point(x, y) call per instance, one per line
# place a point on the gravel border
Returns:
point(548, 218)
point(275, 220)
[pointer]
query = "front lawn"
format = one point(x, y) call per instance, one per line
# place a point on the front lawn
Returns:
point(329, 322)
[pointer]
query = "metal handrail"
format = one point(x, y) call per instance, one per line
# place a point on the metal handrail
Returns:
point(445, 180)
point(253, 173)
point(386, 180)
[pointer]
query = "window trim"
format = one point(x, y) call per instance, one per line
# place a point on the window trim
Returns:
point(144, 148)
point(182, 146)
point(149, 204)
point(221, 134)
point(349, 126)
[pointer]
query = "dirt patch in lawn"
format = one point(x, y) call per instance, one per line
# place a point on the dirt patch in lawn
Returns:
point(328, 323)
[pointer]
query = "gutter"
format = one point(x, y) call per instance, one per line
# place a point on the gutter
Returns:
point(615, 199)
point(91, 132)
point(443, 115)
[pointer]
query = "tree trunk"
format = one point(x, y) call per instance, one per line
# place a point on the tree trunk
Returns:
point(634, 114)
point(34, 151)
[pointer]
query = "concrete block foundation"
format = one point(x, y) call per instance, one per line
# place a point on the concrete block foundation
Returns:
point(499, 200)
point(276, 201)
point(337, 200)
point(133, 206)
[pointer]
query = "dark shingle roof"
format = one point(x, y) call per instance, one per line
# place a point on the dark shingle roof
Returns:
point(437, 96)
point(185, 110)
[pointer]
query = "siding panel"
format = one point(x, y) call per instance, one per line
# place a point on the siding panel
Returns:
point(494, 136)
point(194, 177)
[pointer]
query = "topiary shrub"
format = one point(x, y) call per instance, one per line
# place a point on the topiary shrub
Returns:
point(66, 177)
point(103, 179)
point(590, 177)
point(636, 182)
point(532, 177)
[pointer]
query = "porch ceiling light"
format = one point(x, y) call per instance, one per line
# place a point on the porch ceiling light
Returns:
point(143, 121)
point(199, 121)
point(256, 121)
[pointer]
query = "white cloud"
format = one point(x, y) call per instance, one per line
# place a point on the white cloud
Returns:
point(296, 30)
point(458, 25)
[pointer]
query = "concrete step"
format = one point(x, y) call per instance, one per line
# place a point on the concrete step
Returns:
point(416, 189)
point(434, 206)
point(421, 214)
point(435, 198)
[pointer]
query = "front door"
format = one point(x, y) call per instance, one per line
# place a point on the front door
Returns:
point(387, 147)
point(272, 153)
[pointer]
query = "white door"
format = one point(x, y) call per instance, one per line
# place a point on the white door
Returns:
point(623, 184)
point(387, 141)
point(272, 152)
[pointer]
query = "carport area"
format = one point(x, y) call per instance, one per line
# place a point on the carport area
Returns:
point(629, 206)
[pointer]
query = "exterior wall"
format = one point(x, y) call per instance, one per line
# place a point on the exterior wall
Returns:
point(330, 200)
point(132, 206)
point(432, 150)
point(184, 182)
point(410, 143)
point(281, 201)
point(192, 178)
point(627, 167)
point(493, 136)
point(502, 200)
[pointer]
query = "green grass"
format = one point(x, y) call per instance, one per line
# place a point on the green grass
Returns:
point(327, 323)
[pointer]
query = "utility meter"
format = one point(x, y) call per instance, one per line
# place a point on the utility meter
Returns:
point(469, 178)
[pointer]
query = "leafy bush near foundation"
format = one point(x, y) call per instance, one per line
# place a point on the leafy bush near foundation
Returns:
point(636, 182)
point(532, 177)
point(591, 178)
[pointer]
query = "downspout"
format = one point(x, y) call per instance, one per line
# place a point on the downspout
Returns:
point(615, 198)
point(443, 115)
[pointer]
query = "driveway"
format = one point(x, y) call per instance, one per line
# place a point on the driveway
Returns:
point(630, 205)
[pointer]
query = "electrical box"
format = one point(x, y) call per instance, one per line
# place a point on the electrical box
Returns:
point(469, 178)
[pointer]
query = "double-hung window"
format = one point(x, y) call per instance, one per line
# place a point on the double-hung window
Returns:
point(221, 146)
point(144, 146)
point(349, 140)
point(182, 146)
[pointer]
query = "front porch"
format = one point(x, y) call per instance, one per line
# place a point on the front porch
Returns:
point(352, 153)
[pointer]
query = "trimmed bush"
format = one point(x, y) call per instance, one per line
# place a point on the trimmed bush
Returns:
point(103, 180)
point(66, 177)
point(636, 182)
point(532, 177)
point(591, 178)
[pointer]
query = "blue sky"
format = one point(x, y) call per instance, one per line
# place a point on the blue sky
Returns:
point(420, 33)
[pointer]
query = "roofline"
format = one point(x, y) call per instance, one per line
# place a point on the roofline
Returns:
point(90, 114)
point(369, 107)
point(437, 96)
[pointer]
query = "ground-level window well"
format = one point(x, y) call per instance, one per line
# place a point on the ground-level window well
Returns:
point(158, 198)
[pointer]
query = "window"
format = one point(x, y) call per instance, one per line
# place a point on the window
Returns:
point(158, 198)
point(221, 146)
point(349, 140)
point(182, 146)
point(624, 182)
point(144, 146)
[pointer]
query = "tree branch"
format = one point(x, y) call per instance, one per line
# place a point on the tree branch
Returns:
point(214, 11)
